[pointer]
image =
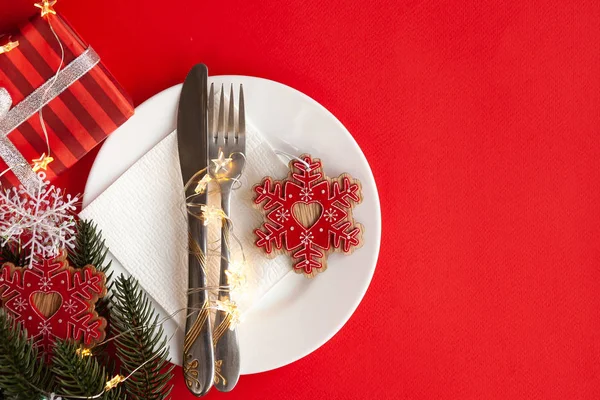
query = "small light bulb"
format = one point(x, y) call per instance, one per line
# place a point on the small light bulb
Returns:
point(201, 188)
point(114, 382)
point(232, 311)
point(46, 7)
point(42, 162)
point(83, 352)
point(221, 163)
point(211, 214)
point(236, 278)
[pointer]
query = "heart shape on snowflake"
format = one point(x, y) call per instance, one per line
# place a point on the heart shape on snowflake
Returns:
point(46, 304)
point(321, 208)
point(54, 300)
point(307, 214)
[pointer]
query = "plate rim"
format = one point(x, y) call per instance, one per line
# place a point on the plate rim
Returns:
point(103, 184)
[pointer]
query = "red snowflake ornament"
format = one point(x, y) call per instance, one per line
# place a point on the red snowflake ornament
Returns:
point(54, 300)
point(309, 215)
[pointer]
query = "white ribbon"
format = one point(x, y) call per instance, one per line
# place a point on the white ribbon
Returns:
point(10, 119)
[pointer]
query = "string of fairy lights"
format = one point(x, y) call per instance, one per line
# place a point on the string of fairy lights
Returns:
point(208, 214)
point(236, 284)
point(38, 164)
point(236, 278)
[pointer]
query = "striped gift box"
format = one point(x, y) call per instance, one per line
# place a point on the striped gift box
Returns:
point(79, 118)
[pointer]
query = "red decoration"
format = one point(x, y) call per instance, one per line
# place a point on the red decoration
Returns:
point(54, 300)
point(78, 119)
point(309, 215)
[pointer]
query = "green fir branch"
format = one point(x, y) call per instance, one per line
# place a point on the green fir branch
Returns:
point(143, 342)
point(79, 376)
point(90, 249)
point(23, 374)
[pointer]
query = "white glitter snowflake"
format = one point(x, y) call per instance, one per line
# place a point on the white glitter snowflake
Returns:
point(282, 215)
point(306, 194)
point(45, 284)
point(44, 327)
point(20, 304)
point(70, 306)
point(331, 215)
point(41, 221)
point(306, 237)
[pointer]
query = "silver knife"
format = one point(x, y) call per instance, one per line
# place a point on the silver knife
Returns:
point(192, 137)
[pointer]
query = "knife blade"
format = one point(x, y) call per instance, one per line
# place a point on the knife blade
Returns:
point(192, 140)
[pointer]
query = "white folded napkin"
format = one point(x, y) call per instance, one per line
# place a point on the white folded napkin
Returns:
point(142, 216)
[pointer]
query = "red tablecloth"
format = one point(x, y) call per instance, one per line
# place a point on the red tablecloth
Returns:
point(481, 122)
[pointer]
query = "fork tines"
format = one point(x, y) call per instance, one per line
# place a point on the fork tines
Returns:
point(220, 134)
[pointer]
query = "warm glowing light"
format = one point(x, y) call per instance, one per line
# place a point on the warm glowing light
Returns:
point(236, 279)
point(42, 162)
point(221, 163)
point(201, 188)
point(114, 382)
point(83, 352)
point(211, 214)
point(9, 46)
point(232, 311)
point(46, 7)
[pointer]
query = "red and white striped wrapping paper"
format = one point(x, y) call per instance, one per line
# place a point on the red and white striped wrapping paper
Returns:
point(79, 118)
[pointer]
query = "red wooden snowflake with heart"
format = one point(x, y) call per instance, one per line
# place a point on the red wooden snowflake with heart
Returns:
point(54, 300)
point(309, 215)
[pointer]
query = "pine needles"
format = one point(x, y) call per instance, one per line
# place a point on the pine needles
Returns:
point(89, 247)
point(133, 313)
point(142, 346)
point(90, 250)
point(79, 376)
point(22, 373)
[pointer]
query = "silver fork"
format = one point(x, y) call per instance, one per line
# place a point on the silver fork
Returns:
point(227, 146)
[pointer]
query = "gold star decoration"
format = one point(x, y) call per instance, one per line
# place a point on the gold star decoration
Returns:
point(236, 280)
point(235, 276)
point(42, 162)
point(221, 163)
point(232, 311)
point(114, 382)
point(9, 46)
point(202, 184)
point(211, 214)
point(46, 7)
point(83, 352)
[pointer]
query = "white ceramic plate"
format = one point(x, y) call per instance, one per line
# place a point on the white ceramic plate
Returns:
point(298, 315)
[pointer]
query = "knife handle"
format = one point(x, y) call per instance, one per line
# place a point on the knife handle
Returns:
point(198, 353)
point(227, 351)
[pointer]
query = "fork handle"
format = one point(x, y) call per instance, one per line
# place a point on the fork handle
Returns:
point(227, 352)
point(198, 358)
